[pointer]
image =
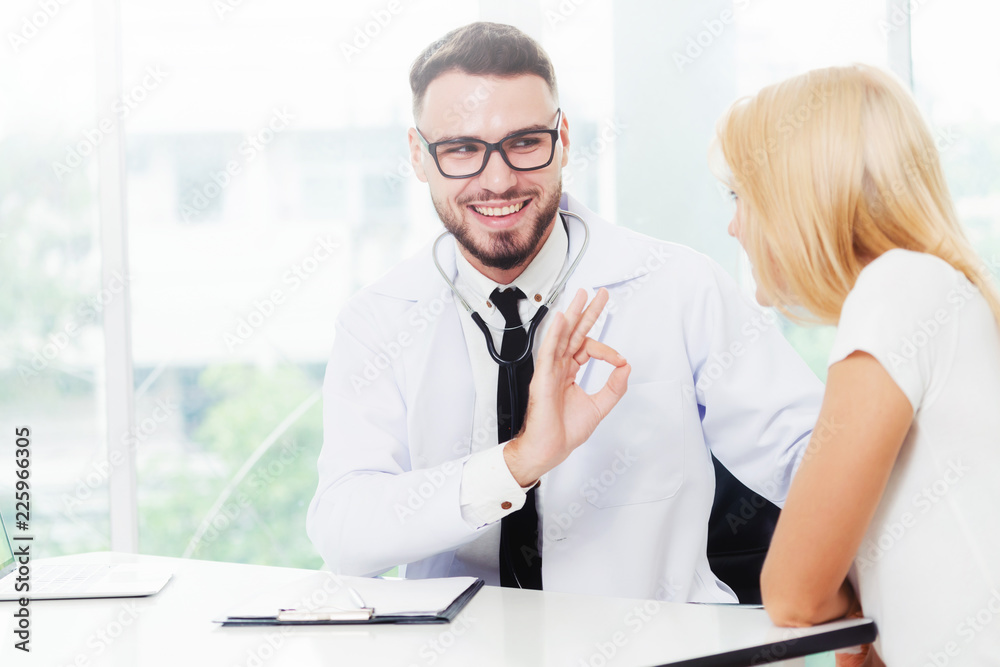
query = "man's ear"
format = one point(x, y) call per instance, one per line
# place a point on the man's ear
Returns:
point(416, 154)
point(564, 138)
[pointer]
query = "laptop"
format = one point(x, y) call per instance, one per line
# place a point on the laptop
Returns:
point(68, 582)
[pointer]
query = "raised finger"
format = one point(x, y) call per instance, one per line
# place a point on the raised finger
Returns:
point(555, 339)
point(572, 313)
point(587, 319)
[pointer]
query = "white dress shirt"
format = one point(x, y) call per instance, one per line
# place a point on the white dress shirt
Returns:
point(488, 490)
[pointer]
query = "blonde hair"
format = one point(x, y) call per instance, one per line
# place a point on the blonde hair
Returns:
point(833, 168)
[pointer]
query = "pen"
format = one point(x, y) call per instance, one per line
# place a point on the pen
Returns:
point(329, 613)
point(358, 600)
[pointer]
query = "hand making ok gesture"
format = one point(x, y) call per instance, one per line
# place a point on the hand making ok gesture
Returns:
point(561, 415)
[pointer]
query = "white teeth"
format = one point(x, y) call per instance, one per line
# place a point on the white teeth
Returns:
point(492, 211)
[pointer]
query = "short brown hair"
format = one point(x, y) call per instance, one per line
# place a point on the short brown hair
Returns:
point(481, 48)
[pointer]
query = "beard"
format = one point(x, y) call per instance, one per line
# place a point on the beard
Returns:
point(504, 249)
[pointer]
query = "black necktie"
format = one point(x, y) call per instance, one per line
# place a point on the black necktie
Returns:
point(520, 561)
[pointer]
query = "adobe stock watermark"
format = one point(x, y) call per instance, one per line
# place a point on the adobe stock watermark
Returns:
point(483, 435)
point(265, 307)
point(594, 487)
point(434, 648)
point(968, 629)
point(223, 8)
point(635, 621)
point(635, 280)
point(365, 34)
point(914, 169)
point(795, 120)
point(899, 17)
point(776, 651)
point(721, 361)
point(421, 318)
point(100, 471)
point(214, 525)
point(927, 329)
point(200, 197)
point(77, 153)
point(457, 112)
point(925, 332)
point(562, 12)
point(873, 549)
point(787, 125)
point(401, 174)
point(86, 312)
point(580, 159)
point(34, 23)
point(272, 642)
point(558, 523)
point(823, 433)
point(418, 495)
point(101, 640)
point(713, 29)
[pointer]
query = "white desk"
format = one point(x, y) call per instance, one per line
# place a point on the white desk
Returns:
point(499, 627)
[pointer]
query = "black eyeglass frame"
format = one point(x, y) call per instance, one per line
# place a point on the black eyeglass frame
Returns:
point(432, 148)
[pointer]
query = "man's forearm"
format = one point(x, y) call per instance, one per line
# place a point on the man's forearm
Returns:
point(366, 523)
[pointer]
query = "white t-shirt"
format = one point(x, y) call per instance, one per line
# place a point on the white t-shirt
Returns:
point(929, 566)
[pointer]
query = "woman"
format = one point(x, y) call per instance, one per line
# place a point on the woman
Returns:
point(843, 210)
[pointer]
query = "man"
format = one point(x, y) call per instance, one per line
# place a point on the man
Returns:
point(411, 472)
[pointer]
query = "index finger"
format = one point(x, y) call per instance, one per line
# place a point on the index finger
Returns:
point(573, 313)
point(595, 349)
point(587, 320)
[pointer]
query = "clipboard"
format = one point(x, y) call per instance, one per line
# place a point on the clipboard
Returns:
point(376, 590)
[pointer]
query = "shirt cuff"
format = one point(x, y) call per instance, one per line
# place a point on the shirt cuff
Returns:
point(489, 492)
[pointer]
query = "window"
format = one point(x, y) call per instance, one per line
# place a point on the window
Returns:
point(267, 179)
point(705, 56)
point(52, 358)
point(952, 46)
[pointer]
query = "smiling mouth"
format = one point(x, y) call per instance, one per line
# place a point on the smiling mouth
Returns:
point(499, 211)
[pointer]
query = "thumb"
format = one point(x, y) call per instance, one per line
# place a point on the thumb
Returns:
point(613, 390)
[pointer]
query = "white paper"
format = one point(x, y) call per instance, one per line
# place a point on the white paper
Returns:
point(326, 591)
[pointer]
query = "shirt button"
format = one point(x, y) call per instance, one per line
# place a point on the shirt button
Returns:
point(489, 305)
point(505, 505)
point(538, 297)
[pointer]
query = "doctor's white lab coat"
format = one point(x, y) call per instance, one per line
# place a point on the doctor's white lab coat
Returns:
point(627, 513)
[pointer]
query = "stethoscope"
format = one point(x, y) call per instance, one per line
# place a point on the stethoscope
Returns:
point(536, 319)
point(510, 365)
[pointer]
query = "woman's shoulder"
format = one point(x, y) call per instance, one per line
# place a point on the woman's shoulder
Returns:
point(908, 276)
point(897, 311)
point(908, 264)
point(897, 293)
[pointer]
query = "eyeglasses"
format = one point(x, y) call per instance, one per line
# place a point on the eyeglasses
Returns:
point(522, 151)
